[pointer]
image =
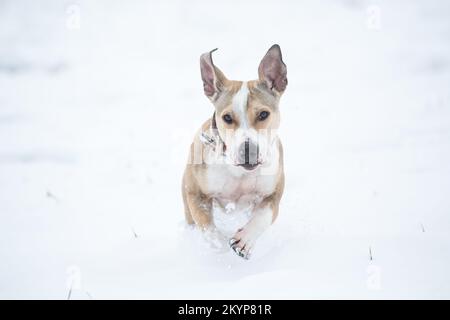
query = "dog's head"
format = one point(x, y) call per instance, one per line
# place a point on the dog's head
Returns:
point(247, 114)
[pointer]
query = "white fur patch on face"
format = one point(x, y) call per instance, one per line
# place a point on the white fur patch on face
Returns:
point(240, 105)
point(244, 131)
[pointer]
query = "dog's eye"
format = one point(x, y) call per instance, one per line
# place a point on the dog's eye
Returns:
point(228, 119)
point(263, 115)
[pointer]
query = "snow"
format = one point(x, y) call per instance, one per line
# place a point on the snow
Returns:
point(99, 101)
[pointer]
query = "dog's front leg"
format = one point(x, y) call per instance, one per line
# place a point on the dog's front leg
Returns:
point(200, 209)
point(243, 241)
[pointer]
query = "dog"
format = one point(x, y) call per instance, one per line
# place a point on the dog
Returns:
point(236, 158)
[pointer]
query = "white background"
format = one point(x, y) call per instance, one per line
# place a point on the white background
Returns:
point(99, 101)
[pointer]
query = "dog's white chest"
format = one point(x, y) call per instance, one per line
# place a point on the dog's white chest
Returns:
point(235, 195)
point(228, 183)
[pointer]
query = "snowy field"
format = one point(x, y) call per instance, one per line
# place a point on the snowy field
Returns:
point(99, 101)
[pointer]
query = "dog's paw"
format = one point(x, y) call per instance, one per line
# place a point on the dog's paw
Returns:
point(242, 244)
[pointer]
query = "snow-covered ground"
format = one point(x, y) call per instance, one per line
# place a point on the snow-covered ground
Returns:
point(99, 101)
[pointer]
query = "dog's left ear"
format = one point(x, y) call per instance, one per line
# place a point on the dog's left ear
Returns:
point(272, 70)
point(213, 79)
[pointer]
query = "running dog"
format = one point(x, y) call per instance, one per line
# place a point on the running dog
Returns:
point(236, 158)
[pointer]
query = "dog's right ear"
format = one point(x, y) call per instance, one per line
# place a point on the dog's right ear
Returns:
point(213, 79)
point(272, 70)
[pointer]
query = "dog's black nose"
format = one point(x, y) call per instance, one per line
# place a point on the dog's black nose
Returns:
point(248, 153)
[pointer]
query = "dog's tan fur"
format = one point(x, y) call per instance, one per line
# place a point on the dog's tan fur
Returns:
point(207, 180)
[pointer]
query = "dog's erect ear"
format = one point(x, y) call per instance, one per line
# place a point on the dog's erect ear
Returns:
point(213, 79)
point(272, 70)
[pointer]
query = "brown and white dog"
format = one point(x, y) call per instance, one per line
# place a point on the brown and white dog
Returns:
point(236, 157)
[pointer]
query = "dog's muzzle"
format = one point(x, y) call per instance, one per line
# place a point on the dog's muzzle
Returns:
point(247, 156)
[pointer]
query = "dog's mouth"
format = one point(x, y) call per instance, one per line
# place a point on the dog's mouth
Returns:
point(249, 166)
